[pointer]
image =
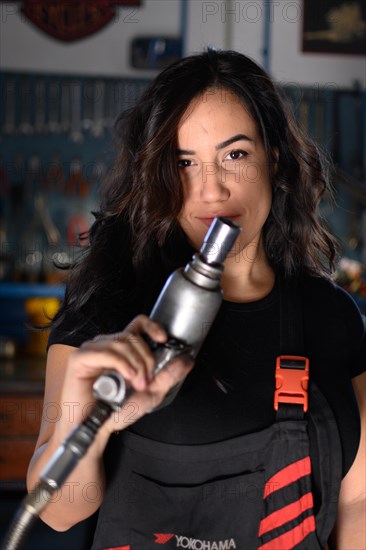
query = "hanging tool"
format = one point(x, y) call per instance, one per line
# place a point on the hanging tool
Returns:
point(53, 124)
point(25, 125)
point(39, 123)
point(9, 127)
point(77, 184)
point(76, 134)
point(97, 129)
point(65, 106)
point(54, 180)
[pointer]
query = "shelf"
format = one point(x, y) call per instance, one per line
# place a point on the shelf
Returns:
point(24, 290)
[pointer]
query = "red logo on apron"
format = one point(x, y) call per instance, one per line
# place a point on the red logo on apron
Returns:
point(163, 538)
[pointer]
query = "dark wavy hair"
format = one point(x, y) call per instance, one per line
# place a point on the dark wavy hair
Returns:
point(136, 238)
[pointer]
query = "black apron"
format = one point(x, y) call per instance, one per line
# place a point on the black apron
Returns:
point(252, 492)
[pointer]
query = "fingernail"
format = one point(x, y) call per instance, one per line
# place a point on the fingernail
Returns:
point(132, 371)
point(159, 330)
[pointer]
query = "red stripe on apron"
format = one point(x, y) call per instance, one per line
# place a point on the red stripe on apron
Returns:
point(163, 538)
point(119, 548)
point(288, 475)
point(292, 537)
point(285, 514)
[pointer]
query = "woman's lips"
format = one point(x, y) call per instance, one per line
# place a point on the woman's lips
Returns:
point(208, 221)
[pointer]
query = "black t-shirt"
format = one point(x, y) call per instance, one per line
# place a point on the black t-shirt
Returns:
point(230, 390)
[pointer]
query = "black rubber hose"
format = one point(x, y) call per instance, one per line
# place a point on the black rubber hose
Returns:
point(26, 516)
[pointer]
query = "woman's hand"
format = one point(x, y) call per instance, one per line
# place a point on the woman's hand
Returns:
point(128, 353)
point(70, 376)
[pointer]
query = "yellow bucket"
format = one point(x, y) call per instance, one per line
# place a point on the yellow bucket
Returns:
point(40, 312)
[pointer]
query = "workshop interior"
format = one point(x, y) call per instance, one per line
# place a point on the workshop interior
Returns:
point(67, 70)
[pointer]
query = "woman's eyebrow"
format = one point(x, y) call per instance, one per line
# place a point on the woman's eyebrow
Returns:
point(184, 152)
point(237, 137)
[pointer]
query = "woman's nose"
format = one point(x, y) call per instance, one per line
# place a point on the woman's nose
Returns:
point(213, 185)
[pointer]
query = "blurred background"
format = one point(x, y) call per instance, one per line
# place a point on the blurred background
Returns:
point(67, 69)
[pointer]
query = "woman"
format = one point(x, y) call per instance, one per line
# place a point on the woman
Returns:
point(211, 137)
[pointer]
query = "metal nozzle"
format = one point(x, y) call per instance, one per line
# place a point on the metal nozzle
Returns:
point(219, 240)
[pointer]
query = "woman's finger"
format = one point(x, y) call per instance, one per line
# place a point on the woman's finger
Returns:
point(90, 361)
point(144, 402)
point(144, 324)
point(166, 379)
point(131, 347)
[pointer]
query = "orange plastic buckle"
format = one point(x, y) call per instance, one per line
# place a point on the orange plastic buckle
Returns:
point(292, 377)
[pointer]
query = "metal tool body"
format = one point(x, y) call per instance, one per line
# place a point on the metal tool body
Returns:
point(186, 307)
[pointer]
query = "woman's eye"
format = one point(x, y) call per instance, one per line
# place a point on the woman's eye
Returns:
point(184, 163)
point(236, 155)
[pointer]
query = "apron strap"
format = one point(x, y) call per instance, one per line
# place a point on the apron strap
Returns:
point(291, 317)
point(325, 445)
point(291, 345)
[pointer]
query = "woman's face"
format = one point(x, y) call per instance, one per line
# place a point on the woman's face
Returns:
point(223, 168)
